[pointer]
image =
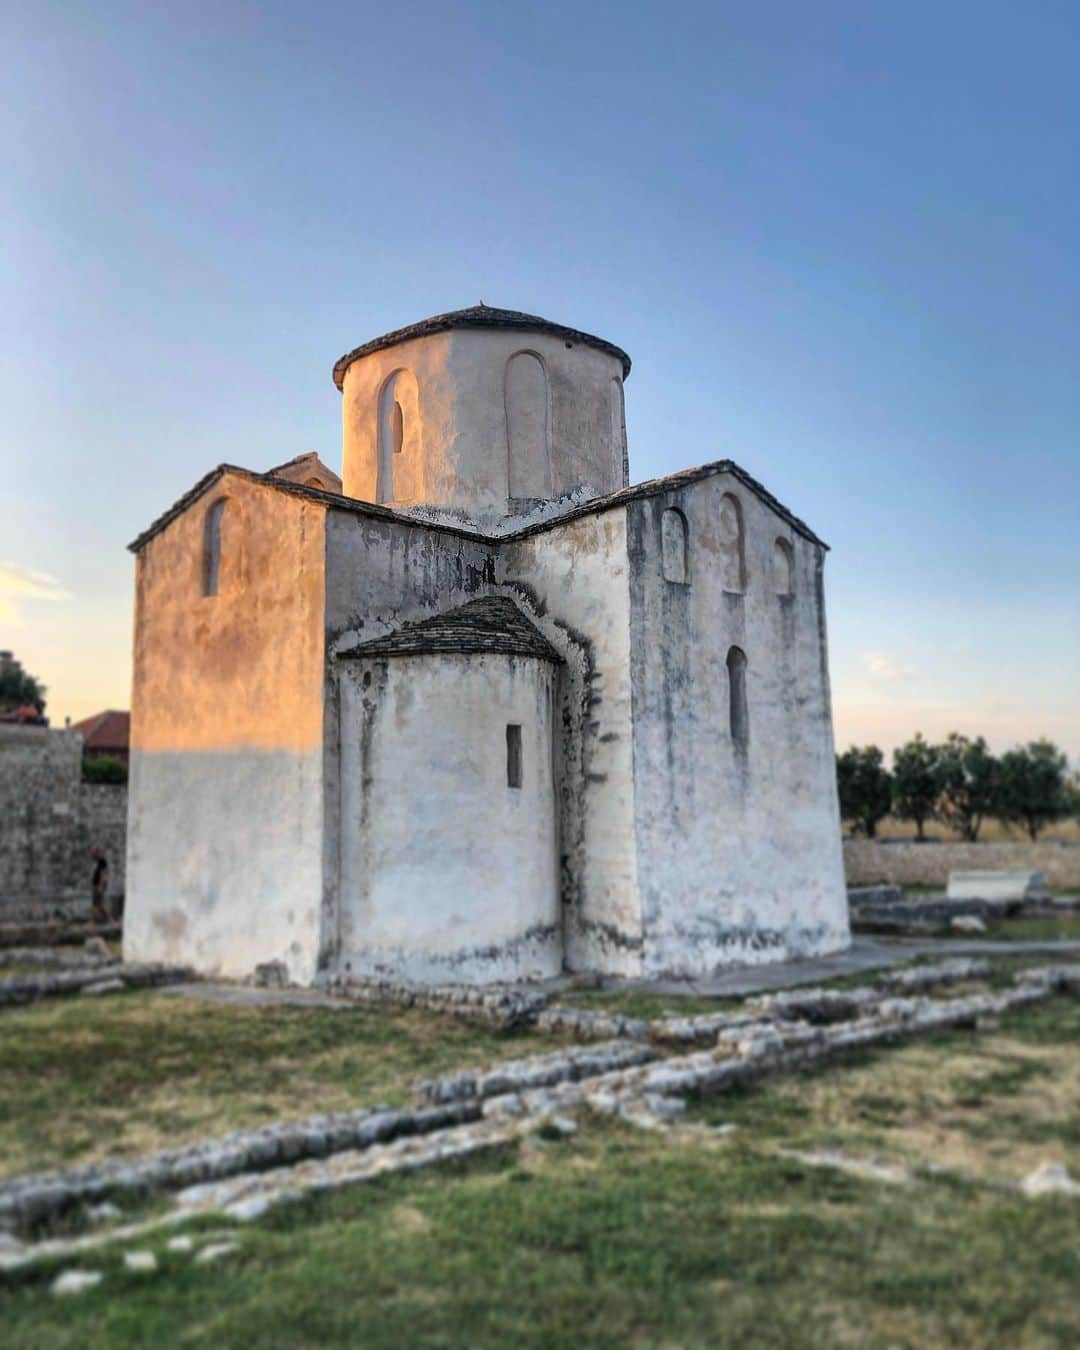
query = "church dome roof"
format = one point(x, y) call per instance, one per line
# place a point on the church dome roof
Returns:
point(478, 316)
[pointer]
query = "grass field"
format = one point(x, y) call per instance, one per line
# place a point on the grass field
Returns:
point(992, 831)
point(1053, 928)
point(82, 1080)
point(619, 1237)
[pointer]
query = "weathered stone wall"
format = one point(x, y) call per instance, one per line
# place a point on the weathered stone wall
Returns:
point(459, 410)
point(738, 830)
point(379, 574)
point(571, 577)
point(49, 820)
point(448, 873)
point(905, 863)
point(226, 829)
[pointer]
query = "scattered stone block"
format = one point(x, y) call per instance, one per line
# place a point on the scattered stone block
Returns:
point(140, 1262)
point(970, 925)
point(103, 987)
point(180, 1244)
point(75, 1282)
point(214, 1252)
point(1006, 887)
point(244, 1211)
point(1049, 1179)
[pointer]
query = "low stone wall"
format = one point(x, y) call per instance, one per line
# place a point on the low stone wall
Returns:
point(49, 821)
point(869, 862)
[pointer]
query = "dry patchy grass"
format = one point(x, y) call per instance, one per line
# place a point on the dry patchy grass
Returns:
point(991, 1105)
point(84, 1080)
point(620, 1237)
point(992, 831)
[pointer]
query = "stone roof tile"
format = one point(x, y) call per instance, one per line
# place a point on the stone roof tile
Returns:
point(479, 316)
point(491, 624)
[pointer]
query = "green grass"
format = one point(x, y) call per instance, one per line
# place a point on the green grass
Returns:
point(611, 1238)
point(994, 1105)
point(1053, 928)
point(618, 1237)
point(118, 1077)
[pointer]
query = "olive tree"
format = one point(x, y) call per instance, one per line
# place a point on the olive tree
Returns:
point(970, 780)
point(916, 782)
point(1034, 789)
point(864, 786)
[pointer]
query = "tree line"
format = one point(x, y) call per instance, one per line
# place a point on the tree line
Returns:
point(959, 783)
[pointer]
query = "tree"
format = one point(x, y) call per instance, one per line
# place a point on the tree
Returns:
point(865, 787)
point(1072, 794)
point(104, 769)
point(1034, 790)
point(916, 782)
point(18, 688)
point(969, 784)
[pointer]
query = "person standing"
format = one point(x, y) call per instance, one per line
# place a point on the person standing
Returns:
point(99, 886)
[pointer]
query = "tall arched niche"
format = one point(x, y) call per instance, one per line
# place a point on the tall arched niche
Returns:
point(783, 568)
point(399, 472)
point(674, 546)
point(528, 427)
point(222, 550)
point(732, 544)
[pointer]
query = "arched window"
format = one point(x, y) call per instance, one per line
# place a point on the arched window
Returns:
point(674, 546)
point(315, 483)
point(738, 715)
point(397, 396)
point(618, 432)
point(732, 544)
point(528, 436)
point(212, 524)
point(783, 562)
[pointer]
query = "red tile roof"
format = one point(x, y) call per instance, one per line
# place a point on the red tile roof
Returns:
point(105, 731)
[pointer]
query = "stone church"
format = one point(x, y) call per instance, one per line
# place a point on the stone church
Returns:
point(479, 710)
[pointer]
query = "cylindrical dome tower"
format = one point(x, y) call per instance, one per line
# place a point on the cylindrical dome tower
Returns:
point(484, 410)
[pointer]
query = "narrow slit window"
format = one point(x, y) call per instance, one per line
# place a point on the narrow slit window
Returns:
point(737, 711)
point(513, 754)
point(212, 547)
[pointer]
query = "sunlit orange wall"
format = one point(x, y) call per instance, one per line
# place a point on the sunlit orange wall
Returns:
point(242, 669)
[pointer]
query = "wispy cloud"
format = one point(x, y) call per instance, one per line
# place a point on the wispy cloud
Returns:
point(887, 668)
point(19, 584)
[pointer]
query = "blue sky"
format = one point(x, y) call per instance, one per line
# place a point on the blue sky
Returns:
point(838, 239)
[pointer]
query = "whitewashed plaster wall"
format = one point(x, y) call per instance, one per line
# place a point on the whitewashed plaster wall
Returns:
point(225, 824)
point(380, 573)
point(466, 403)
point(572, 579)
point(738, 845)
point(447, 872)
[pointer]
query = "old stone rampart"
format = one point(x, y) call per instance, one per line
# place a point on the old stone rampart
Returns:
point(906, 863)
point(49, 820)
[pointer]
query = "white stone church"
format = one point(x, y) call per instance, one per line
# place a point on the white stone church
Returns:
point(479, 710)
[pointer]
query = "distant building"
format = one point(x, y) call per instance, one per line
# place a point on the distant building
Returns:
point(493, 713)
point(106, 733)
